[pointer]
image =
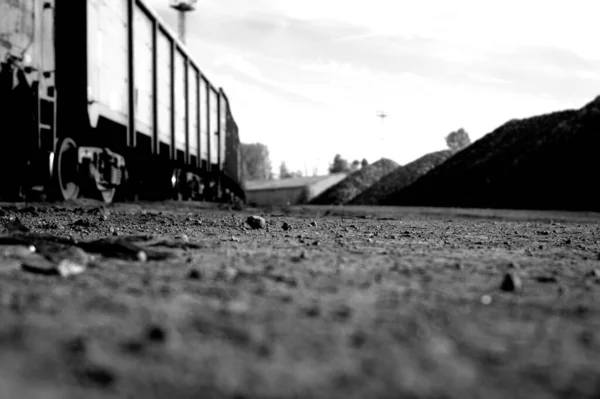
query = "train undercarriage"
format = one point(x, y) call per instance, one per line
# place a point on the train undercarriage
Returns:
point(71, 171)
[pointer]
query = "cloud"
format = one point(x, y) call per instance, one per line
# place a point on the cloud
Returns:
point(316, 71)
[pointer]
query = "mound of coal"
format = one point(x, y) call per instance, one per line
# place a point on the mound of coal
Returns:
point(355, 183)
point(400, 177)
point(548, 161)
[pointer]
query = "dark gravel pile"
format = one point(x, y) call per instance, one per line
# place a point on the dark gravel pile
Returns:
point(400, 177)
point(548, 161)
point(355, 183)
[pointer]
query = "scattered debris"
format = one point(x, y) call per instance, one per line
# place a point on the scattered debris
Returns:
point(256, 222)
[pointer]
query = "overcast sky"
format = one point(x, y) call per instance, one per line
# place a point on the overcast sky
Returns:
point(307, 77)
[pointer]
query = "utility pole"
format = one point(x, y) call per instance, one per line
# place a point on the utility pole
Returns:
point(382, 115)
point(182, 7)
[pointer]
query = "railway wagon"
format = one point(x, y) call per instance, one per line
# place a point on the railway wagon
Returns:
point(99, 98)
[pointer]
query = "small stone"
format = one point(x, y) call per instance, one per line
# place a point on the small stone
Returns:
point(486, 299)
point(314, 224)
point(96, 375)
point(594, 273)
point(156, 334)
point(142, 257)
point(514, 265)
point(235, 239)
point(312, 310)
point(77, 346)
point(67, 268)
point(256, 222)
point(342, 312)
point(183, 237)
point(512, 282)
point(286, 226)
point(547, 279)
point(228, 273)
point(194, 275)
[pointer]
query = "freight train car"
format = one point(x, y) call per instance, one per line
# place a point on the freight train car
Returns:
point(98, 98)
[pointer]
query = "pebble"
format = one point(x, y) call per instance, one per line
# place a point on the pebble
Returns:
point(194, 275)
point(286, 226)
point(156, 334)
point(68, 268)
point(486, 299)
point(142, 257)
point(512, 282)
point(594, 273)
point(256, 222)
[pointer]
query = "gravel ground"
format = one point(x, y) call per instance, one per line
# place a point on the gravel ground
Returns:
point(188, 300)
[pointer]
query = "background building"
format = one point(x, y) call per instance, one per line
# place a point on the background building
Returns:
point(289, 191)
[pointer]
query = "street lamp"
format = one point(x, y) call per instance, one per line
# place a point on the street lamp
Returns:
point(182, 6)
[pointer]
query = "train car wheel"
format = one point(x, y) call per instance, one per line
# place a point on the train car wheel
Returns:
point(65, 176)
point(108, 195)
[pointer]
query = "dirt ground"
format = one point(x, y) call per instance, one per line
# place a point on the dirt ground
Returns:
point(182, 300)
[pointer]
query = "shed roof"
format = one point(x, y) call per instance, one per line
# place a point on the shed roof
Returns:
point(293, 182)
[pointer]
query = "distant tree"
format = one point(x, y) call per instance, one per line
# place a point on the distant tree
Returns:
point(256, 162)
point(340, 165)
point(364, 163)
point(284, 173)
point(458, 140)
point(355, 165)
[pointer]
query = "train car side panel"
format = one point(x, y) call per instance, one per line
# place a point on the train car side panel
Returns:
point(143, 50)
point(222, 129)
point(204, 121)
point(180, 101)
point(107, 59)
point(193, 108)
point(164, 88)
point(214, 127)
